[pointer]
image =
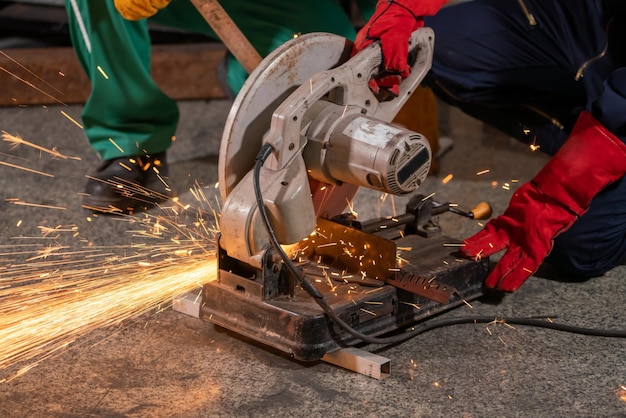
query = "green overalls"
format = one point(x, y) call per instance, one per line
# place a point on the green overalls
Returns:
point(127, 114)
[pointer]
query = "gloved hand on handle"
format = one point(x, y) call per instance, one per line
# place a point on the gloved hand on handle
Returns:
point(590, 160)
point(392, 24)
point(139, 9)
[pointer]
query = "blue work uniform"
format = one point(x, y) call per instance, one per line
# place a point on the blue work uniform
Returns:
point(529, 67)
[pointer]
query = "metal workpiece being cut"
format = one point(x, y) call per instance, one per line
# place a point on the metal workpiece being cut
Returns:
point(303, 135)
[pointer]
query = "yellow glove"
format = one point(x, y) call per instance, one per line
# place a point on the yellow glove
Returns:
point(139, 9)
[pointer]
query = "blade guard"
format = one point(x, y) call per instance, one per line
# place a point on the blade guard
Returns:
point(287, 197)
point(284, 180)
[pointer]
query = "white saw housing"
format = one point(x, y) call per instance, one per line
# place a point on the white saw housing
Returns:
point(359, 149)
point(329, 133)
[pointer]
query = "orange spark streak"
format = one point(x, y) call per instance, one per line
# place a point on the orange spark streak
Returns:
point(16, 140)
point(72, 119)
point(115, 145)
point(29, 84)
point(102, 72)
point(37, 205)
point(29, 71)
point(30, 170)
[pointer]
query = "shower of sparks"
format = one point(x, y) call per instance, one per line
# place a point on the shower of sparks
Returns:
point(58, 293)
point(42, 318)
point(52, 293)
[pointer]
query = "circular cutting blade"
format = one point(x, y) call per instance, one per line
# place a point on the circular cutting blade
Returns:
point(278, 75)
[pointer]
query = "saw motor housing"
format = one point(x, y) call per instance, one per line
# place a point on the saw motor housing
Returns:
point(362, 150)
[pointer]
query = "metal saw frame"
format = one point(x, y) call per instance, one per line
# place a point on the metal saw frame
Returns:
point(259, 298)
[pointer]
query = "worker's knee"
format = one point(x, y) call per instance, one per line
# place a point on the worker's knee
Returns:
point(597, 241)
point(582, 265)
point(584, 256)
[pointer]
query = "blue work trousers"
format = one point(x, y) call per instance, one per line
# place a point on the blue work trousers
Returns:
point(528, 67)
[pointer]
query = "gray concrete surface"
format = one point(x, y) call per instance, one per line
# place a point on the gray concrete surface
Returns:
point(166, 364)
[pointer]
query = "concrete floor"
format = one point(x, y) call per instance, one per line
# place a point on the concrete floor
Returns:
point(167, 364)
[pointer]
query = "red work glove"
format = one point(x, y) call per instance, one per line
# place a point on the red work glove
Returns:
point(392, 23)
point(590, 160)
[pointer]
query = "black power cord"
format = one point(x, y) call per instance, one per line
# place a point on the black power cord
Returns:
point(264, 153)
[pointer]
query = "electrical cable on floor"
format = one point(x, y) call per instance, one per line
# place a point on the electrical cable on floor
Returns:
point(264, 153)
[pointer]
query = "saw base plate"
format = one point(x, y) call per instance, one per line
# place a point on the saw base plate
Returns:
point(296, 325)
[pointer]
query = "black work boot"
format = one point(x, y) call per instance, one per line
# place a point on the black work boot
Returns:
point(128, 184)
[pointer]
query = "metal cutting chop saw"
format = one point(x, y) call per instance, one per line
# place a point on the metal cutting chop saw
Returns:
point(296, 271)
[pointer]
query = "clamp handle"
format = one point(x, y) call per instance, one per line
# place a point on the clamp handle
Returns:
point(482, 211)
